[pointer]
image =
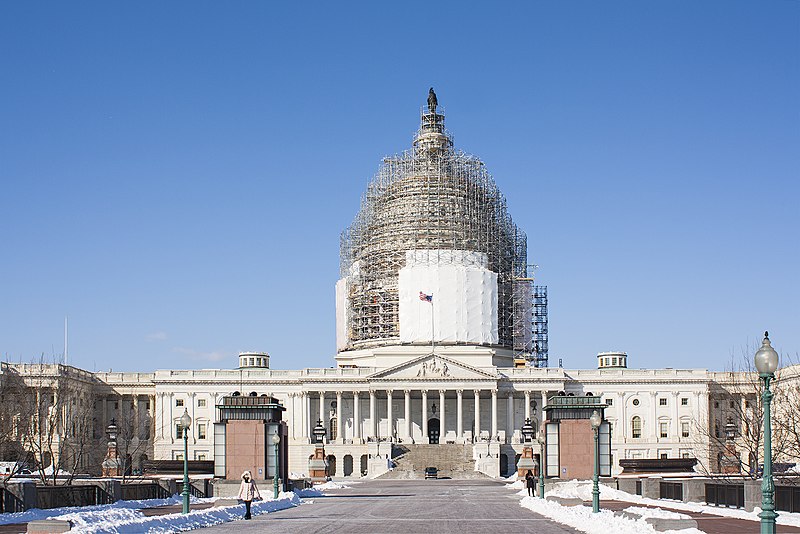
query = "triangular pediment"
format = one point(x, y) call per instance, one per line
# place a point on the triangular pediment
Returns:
point(433, 367)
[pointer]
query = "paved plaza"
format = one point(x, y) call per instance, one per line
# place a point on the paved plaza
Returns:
point(406, 506)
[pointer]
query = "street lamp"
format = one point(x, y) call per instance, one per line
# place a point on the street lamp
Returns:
point(186, 423)
point(540, 439)
point(595, 420)
point(527, 430)
point(275, 440)
point(766, 360)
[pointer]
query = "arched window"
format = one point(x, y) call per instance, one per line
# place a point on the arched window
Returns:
point(636, 427)
point(332, 432)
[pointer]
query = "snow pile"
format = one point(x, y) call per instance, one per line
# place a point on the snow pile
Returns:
point(655, 512)
point(582, 518)
point(331, 485)
point(582, 489)
point(308, 492)
point(36, 513)
point(519, 484)
point(126, 520)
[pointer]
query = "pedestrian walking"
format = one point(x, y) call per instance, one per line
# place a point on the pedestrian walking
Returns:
point(248, 492)
point(530, 482)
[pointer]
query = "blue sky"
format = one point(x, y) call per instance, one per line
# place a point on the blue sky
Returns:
point(174, 176)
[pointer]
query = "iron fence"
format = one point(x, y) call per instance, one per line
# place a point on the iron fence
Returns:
point(139, 492)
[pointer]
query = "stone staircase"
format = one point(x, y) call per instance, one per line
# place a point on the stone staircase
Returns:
point(453, 461)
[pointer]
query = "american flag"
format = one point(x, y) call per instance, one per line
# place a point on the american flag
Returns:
point(423, 296)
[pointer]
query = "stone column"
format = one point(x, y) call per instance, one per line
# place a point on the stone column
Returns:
point(303, 416)
point(356, 419)
point(653, 418)
point(460, 415)
point(389, 415)
point(135, 418)
point(322, 408)
point(442, 414)
point(407, 394)
point(171, 424)
point(623, 419)
point(494, 414)
point(477, 429)
point(193, 431)
point(676, 431)
point(544, 403)
point(424, 416)
point(509, 416)
point(339, 414)
point(372, 423)
point(527, 404)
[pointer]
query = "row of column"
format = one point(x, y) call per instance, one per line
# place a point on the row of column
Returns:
point(307, 424)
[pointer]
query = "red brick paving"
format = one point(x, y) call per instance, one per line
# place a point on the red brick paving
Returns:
point(709, 523)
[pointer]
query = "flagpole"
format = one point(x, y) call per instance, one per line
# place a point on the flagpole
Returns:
point(433, 343)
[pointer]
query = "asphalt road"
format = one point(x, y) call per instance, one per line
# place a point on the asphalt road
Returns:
point(405, 506)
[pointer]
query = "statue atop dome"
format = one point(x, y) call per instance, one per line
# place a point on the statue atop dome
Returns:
point(432, 101)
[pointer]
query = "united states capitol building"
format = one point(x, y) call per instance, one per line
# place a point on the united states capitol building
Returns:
point(441, 341)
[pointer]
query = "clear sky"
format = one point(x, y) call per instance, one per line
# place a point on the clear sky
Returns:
point(174, 176)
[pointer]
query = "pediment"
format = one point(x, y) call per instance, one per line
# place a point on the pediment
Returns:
point(433, 367)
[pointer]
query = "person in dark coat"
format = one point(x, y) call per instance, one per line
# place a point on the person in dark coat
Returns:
point(530, 482)
point(248, 492)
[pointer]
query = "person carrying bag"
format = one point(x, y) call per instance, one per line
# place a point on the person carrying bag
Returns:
point(248, 492)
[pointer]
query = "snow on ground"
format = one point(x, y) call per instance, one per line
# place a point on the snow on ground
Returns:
point(308, 492)
point(519, 484)
point(583, 490)
point(35, 513)
point(655, 512)
point(331, 485)
point(125, 520)
point(582, 518)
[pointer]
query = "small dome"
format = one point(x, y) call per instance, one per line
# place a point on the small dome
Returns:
point(612, 360)
point(253, 360)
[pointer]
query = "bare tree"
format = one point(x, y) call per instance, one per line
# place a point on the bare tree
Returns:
point(55, 425)
point(736, 402)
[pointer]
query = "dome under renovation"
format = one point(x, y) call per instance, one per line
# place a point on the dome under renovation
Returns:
point(433, 257)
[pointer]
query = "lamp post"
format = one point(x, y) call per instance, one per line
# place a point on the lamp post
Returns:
point(276, 439)
point(317, 467)
point(186, 422)
point(595, 420)
point(540, 439)
point(766, 360)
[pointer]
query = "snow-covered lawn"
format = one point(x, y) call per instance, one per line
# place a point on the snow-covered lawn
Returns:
point(574, 515)
point(125, 517)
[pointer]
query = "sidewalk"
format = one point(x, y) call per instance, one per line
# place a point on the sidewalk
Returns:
point(709, 523)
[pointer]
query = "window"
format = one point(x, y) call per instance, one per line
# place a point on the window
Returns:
point(663, 455)
point(201, 431)
point(201, 456)
point(252, 362)
point(716, 429)
point(178, 431)
point(147, 405)
point(614, 361)
point(636, 427)
point(685, 429)
point(684, 455)
point(116, 405)
point(684, 401)
point(732, 404)
point(662, 430)
point(201, 403)
point(747, 404)
point(610, 402)
point(716, 404)
point(332, 432)
point(636, 402)
point(662, 401)
point(178, 402)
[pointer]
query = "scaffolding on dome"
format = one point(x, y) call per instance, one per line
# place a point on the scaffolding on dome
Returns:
point(431, 197)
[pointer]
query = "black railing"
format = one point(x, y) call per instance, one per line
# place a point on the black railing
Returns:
point(10, 503)
point(729, 495)
point(139, 492)
point(787, 498)
point(671, 490)
point(193, 491)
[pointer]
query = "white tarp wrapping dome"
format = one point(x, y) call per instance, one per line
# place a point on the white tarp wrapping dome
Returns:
point(464, 293)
